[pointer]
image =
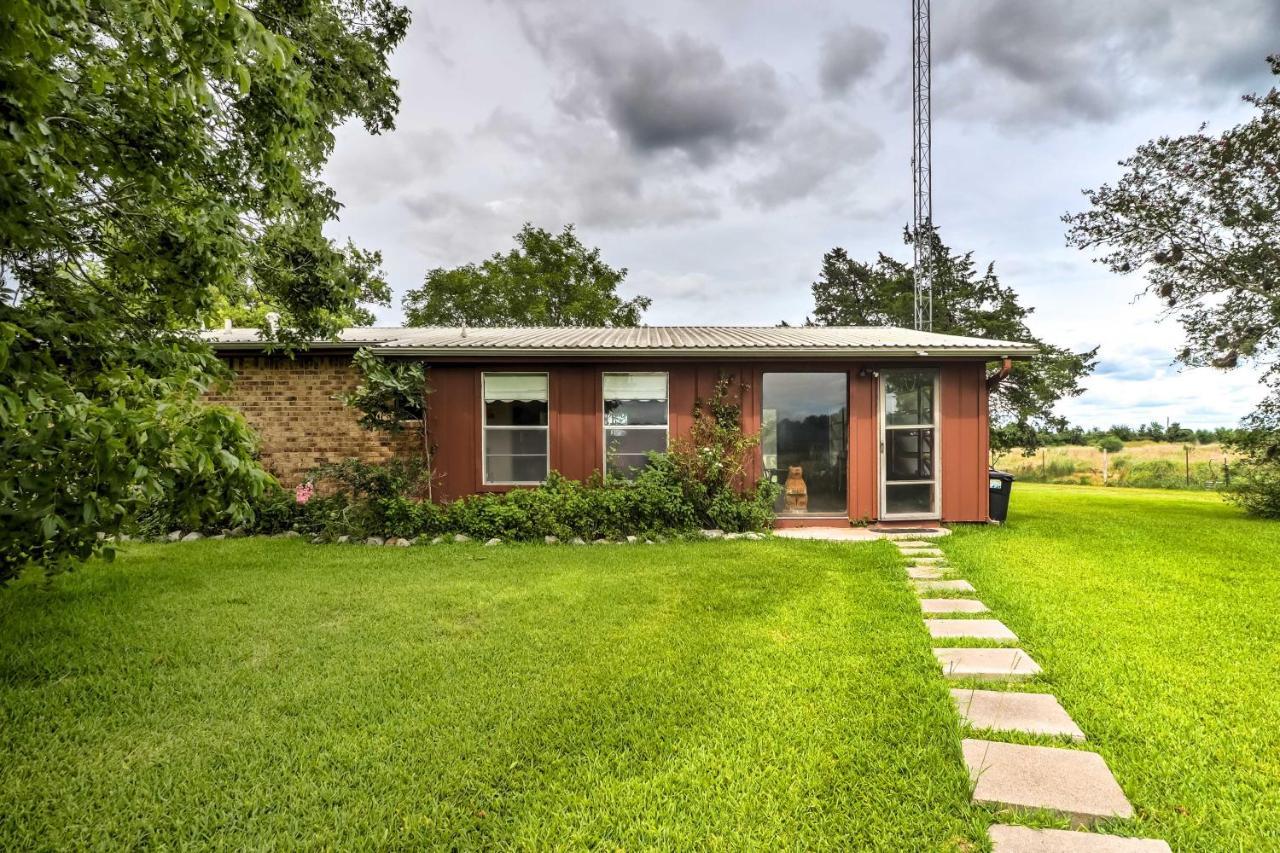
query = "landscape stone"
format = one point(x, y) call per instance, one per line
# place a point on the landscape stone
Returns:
point(753, 536)
point(290, 534)
point(1007, 711)
point(1071, 782)
point(237, 532)
point(192, 537)
point(952, 605)
point(216, 536)
point(577, 540)
point(494, 541)
point(317, 540)
point(713, 533)
point(601, 541)
point(344, 539)
point(1023, 839)
point(174, 535)
point(939, 586)
point(978, 629)
point(986, 664)
point(550, 540)
point(437, 540)
point(400, 543)
point(375, 540)
point(461, 537)
point(633, 539)
point(924, 573)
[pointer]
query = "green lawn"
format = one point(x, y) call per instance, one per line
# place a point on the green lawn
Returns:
point(253, 694)
point(1156, 616)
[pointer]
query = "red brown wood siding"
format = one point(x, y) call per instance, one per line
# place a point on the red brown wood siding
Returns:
point(964, 442)
point(577, 423)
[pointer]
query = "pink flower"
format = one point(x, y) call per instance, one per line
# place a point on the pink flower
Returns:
point(303, 492)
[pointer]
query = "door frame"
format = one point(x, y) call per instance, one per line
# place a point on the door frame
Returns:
point(936, 513)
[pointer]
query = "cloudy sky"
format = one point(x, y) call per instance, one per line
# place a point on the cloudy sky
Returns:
point(717, 149)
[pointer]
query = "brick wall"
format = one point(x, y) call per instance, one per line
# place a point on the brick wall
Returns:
point(290, 402)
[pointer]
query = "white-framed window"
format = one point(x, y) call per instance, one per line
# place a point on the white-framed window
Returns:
point(516, 441)
point(635, 420)
point(909, 444)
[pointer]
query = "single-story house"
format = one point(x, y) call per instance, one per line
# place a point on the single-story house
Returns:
point(866, 423)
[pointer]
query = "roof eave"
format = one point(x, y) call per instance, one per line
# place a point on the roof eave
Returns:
point(987, 353)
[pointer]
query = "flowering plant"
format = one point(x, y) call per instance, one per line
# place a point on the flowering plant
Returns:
point(304, 491)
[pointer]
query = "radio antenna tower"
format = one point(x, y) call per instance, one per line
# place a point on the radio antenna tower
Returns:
point(922, 165)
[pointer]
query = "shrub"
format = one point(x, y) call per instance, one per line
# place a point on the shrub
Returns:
point(1255, 487)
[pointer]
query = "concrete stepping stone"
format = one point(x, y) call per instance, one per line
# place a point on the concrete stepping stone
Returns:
point(1022, 839)
point(1006, 711)
point(927, 561)
point(978, 629)
point(937, 586)
point(1071, 782)
point(912, 543)
point(922, 552)
point(924, 573)
point(987, 664)
point(952, 605)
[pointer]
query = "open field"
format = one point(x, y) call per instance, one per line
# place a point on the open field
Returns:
point(1142, 464)
point(252, 694)
point(1154, 616)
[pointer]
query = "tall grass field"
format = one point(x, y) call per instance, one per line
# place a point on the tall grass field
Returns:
point(1142, 464)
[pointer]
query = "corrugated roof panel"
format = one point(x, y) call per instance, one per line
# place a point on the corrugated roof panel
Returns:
point(831, 340)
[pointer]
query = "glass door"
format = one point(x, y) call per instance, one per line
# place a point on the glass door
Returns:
point(804, 441)
point(909, 444)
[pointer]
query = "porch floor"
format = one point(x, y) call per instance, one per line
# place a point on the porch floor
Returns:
point(856, 534)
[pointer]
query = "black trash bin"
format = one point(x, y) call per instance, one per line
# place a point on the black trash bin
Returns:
point(1001, 485)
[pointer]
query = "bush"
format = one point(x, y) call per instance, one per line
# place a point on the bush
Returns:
point(1255, 487)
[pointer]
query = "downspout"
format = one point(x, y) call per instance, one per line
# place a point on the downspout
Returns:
point(994, 380)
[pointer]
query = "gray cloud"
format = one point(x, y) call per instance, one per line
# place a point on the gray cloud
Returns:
point(849, 54)
point(1042, 63)
point(812, 156)
point(659, 95)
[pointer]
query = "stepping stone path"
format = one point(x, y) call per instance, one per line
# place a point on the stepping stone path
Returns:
point(978, 629)
point(1021, 839)
point(924, 573)
point(987, 664)
point(1007, 711)
point(1071, 782)
point(952, 605)
point(1074, 783)
point(939, 586)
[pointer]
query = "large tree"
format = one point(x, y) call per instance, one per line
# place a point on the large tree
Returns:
point(160, 162)
point(966, 301)
point(1198, 216)
point(547, 280)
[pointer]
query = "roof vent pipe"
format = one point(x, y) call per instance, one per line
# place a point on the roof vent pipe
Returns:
point(273, 323)
point(464, 329)
point(226, 324)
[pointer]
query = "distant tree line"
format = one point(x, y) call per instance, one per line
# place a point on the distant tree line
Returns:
point(1173, 433)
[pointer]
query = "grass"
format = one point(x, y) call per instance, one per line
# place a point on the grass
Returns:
point(272, 694)
point(1154, 615)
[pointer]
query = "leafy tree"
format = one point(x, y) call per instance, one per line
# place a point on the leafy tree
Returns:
point(966, 301)
point(1110, 443)
point(158, 162)
point(1198, 216)
point(547, 280)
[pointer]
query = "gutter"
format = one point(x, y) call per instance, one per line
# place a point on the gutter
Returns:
point(994, 380)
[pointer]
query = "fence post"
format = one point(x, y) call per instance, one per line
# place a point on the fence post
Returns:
point(1186, 450)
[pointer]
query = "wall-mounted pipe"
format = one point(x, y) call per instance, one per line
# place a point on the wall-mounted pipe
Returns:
point(1006, 365)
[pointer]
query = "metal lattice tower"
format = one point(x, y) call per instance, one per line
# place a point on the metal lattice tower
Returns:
point(922, 164)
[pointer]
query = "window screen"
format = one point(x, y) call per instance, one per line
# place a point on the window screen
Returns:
point(515, 428)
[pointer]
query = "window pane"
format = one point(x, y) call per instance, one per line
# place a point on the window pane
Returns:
point(626, 464)
point(515, 469)
point(635, 413)
point(515, 386)
point(635, 440)
point(635, 386)
point(914, 498)
point(804, 439)
point(908, 454)
point(515, 413)
point(908, 397)
point(516, 441)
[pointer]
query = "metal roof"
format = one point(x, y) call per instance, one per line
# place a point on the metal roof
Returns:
point(648, 341)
